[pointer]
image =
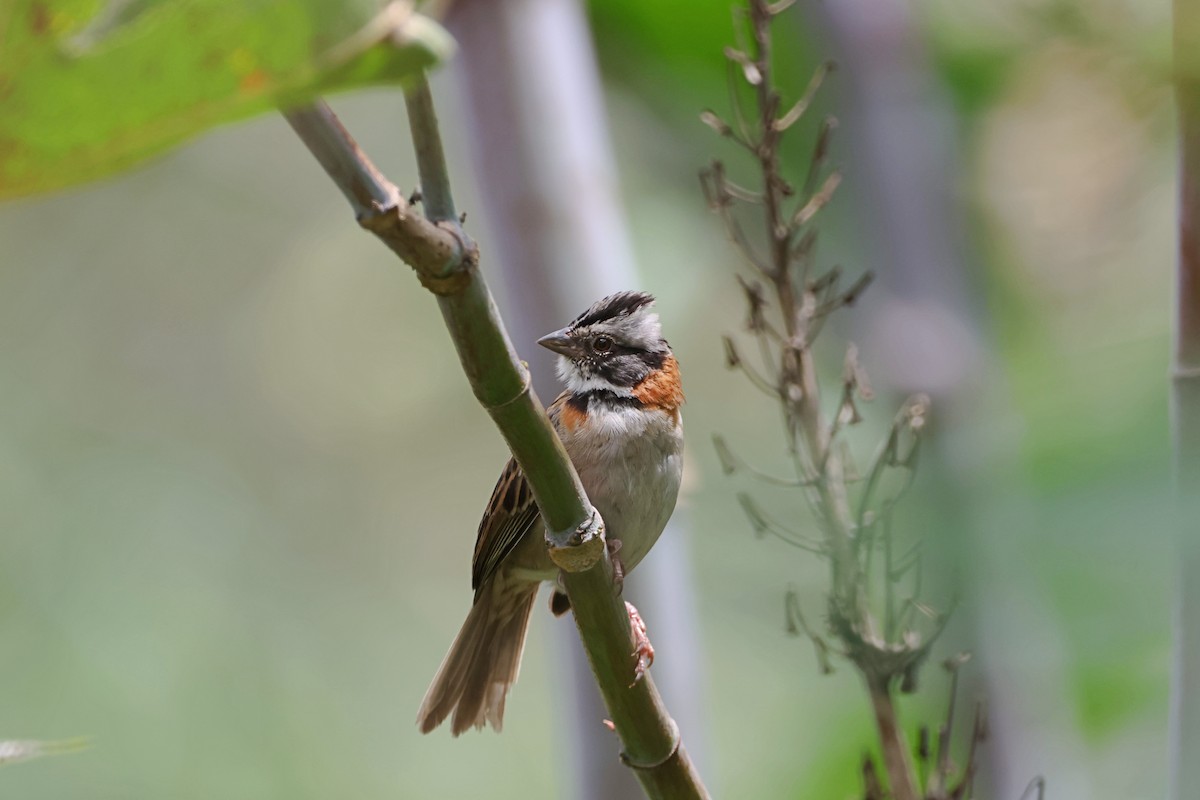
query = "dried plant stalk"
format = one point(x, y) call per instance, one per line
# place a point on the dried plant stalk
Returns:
point(875, 618)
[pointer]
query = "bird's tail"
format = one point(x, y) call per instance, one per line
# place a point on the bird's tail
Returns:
point(484, 660)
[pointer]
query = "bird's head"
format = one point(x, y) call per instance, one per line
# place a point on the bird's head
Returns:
point(613, 346)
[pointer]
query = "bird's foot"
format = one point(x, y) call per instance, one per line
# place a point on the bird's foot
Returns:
point(643, 650)
point(614, 547)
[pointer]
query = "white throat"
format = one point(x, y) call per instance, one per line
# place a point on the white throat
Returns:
point(578, 383)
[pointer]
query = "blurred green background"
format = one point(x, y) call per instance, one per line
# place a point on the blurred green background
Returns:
point(240, 471)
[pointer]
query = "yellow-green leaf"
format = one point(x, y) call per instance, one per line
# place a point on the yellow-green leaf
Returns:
point(88, 88)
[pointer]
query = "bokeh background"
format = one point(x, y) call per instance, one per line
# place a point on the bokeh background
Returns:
point(240, 470)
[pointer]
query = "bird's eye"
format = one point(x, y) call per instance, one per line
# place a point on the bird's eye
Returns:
point(602, 344)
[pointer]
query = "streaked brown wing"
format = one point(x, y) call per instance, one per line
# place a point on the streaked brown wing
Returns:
point(510, 514)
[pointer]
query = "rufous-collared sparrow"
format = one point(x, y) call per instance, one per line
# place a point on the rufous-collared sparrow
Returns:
point(620, 423)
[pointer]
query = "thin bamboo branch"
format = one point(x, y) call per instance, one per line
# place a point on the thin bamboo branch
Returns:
point(431, 159)
point(447, 263)
point(378, 205)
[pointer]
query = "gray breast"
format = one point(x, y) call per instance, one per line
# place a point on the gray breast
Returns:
point(630, 463)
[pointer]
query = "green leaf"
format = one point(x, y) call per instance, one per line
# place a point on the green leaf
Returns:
point(17, 750)
point(88, 88)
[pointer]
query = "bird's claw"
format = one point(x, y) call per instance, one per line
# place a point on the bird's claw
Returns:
point(614, 547)
point(644, 651)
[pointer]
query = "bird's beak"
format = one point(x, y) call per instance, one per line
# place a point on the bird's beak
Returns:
point(560, 343)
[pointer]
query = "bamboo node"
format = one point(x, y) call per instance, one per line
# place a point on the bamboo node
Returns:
point(676, 741)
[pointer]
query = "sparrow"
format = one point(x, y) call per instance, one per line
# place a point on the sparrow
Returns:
point(619, 419)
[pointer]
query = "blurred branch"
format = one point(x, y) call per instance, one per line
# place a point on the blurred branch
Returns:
point(1185, 410)
point(14, 751)
point(446, 261)
point(1036, 790)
